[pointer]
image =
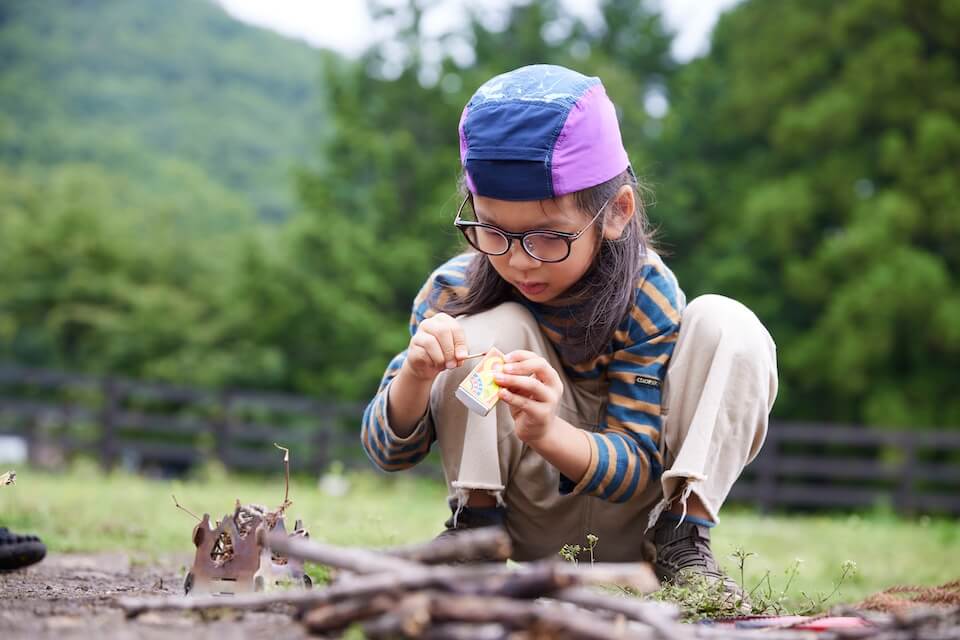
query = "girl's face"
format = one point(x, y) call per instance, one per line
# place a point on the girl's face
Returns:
point(540, 281)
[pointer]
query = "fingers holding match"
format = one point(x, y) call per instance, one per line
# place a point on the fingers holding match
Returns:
point(527, 363)
point(526, 386)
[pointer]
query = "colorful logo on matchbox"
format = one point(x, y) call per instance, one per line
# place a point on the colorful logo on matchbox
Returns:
point(480, 383)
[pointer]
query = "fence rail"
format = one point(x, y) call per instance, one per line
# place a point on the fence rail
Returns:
point(169, 428)
point(823, 465)
point(150, 426)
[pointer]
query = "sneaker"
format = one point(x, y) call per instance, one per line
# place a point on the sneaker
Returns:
point(473, 518)
point(18, 551)
point(684, 555)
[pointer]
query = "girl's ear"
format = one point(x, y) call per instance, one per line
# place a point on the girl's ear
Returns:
point(620, 211)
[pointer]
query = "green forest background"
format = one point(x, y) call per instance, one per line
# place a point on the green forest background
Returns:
point(187, 198)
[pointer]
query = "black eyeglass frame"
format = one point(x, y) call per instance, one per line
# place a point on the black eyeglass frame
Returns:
point(569, 238)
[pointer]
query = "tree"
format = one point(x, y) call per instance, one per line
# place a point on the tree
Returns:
point(812, 174)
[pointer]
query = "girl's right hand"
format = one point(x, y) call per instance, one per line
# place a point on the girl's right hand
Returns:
point(438, 344)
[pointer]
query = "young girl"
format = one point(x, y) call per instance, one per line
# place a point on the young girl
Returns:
point(624, 412)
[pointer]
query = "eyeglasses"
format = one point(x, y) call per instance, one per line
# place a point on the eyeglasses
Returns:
point(541, 245)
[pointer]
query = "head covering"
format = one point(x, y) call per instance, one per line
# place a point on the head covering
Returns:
point(538, 132)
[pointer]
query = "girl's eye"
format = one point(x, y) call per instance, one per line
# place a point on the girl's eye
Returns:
point(546, 246)
point(489, 240)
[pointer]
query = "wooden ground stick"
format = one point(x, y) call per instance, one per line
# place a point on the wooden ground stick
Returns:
point(487, 543)
point(465, 631)
point(394, 576)
point(635, 575)
point(428, 608)
point(353, 559)
point(338, 615)
point(659, 615)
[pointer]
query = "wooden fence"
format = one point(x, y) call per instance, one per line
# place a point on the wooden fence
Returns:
point(167, 428)
point(826, 465)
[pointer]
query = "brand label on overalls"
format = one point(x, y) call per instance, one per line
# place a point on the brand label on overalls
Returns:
point(648, 381)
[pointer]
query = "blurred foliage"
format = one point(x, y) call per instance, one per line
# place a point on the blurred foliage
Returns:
point(200, 109)
point(806, 166)
point(812, 173)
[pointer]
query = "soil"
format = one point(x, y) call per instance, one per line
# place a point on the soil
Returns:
point(74, 596)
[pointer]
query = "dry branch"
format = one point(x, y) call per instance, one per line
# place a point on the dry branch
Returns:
point(530, 581)
point(350, 558)
point(660, 616)
point(638, 576)
point(418, 611)
point(488, 543)
point(183, 508)
point(393, 595)
point(465, 631)
point(338, 615)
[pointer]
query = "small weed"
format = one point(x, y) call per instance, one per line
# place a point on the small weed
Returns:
point(592, 541)
point(571, 552)
point(700, 597)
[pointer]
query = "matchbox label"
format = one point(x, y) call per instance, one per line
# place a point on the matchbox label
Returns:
point(478, 390)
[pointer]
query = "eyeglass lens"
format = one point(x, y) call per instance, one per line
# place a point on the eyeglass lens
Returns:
point(545, 247)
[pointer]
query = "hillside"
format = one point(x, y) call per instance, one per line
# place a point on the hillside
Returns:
point(173, 96)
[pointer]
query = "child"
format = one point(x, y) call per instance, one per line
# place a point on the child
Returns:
point(622, 409)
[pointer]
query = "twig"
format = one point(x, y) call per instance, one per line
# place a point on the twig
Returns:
point(658, 615)
point(351, 558)
point(286, 476)
point(465, 631)
point(638, 576)
point(417, 611)
point(530, 581)
point(181, 507)
point(487, 543)
point(337, 615)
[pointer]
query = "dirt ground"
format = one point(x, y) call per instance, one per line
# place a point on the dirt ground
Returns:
point(74, 596)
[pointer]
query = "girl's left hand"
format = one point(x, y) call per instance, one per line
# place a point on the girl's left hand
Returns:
point(532, 389)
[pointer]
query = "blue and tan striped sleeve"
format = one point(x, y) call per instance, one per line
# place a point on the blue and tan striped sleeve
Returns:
point(382, 445)
point(625, 453)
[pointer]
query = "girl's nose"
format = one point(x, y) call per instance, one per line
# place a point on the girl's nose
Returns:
point(520, 259)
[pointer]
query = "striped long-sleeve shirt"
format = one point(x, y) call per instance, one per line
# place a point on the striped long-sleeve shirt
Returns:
point(625, 453)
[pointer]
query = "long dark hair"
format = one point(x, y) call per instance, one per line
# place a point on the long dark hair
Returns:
point(598, 302)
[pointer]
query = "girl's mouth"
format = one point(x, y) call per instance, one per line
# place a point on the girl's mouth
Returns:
point(532, 288)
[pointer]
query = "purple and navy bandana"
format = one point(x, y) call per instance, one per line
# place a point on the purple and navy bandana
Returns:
point(539, 132)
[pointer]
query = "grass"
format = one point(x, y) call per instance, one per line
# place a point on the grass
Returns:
point(83, 510)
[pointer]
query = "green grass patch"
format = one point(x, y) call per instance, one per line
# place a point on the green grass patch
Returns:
point(84, 510)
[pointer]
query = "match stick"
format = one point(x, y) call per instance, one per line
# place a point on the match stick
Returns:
point(474, 355)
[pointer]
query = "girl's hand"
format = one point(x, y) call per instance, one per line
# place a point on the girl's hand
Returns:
point(532, 389)
point(438, 344)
